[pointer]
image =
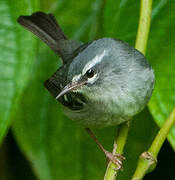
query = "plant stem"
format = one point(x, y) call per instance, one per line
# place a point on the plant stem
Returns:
point(141, 43)
point(119, 144)
point(145, 163)
point(144, 25)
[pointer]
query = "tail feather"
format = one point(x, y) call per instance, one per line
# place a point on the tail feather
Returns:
point(46, 28)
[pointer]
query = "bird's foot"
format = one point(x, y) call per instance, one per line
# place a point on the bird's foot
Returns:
point(115, 158)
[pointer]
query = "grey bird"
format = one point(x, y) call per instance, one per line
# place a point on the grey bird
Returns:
point(101, 83)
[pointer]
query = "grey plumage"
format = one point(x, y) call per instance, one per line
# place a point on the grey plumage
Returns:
point(123, 88)
point(120, 87)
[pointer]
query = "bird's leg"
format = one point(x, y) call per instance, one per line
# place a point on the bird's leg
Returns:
point(115, 158)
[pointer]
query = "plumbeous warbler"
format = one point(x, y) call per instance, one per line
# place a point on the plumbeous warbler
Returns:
point(101, 83)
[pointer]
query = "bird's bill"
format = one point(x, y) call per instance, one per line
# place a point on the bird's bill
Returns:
point(70, 87)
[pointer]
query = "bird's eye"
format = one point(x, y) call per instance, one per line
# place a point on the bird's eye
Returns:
point(90, 73)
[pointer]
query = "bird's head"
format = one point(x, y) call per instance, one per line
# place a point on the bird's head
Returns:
point(90, 70)
point(104, 70)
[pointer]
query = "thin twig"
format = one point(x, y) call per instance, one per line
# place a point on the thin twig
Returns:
point(148, 159)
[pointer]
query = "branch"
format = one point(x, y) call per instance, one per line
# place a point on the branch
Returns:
point(148, 159)
point(141, 43)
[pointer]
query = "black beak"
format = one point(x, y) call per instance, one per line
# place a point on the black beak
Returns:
point(70, 87)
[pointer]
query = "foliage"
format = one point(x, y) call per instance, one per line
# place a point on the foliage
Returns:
point(55, 146)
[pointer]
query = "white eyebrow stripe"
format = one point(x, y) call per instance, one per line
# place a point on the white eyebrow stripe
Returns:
point(97, 59)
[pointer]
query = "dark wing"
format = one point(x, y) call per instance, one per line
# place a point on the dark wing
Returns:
point(47, 29)
point(57, 81)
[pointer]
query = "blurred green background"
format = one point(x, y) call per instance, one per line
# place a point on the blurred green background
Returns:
point(37, 140)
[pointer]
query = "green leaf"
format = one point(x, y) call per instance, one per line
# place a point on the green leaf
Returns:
point(15, 63)
point(161, 54)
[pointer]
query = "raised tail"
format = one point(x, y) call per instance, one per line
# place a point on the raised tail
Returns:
point(47, 29)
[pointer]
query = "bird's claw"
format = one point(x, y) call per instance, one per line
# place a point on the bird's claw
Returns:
point(116, 159)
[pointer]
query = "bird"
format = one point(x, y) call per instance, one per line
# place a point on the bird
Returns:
point(101, 83)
